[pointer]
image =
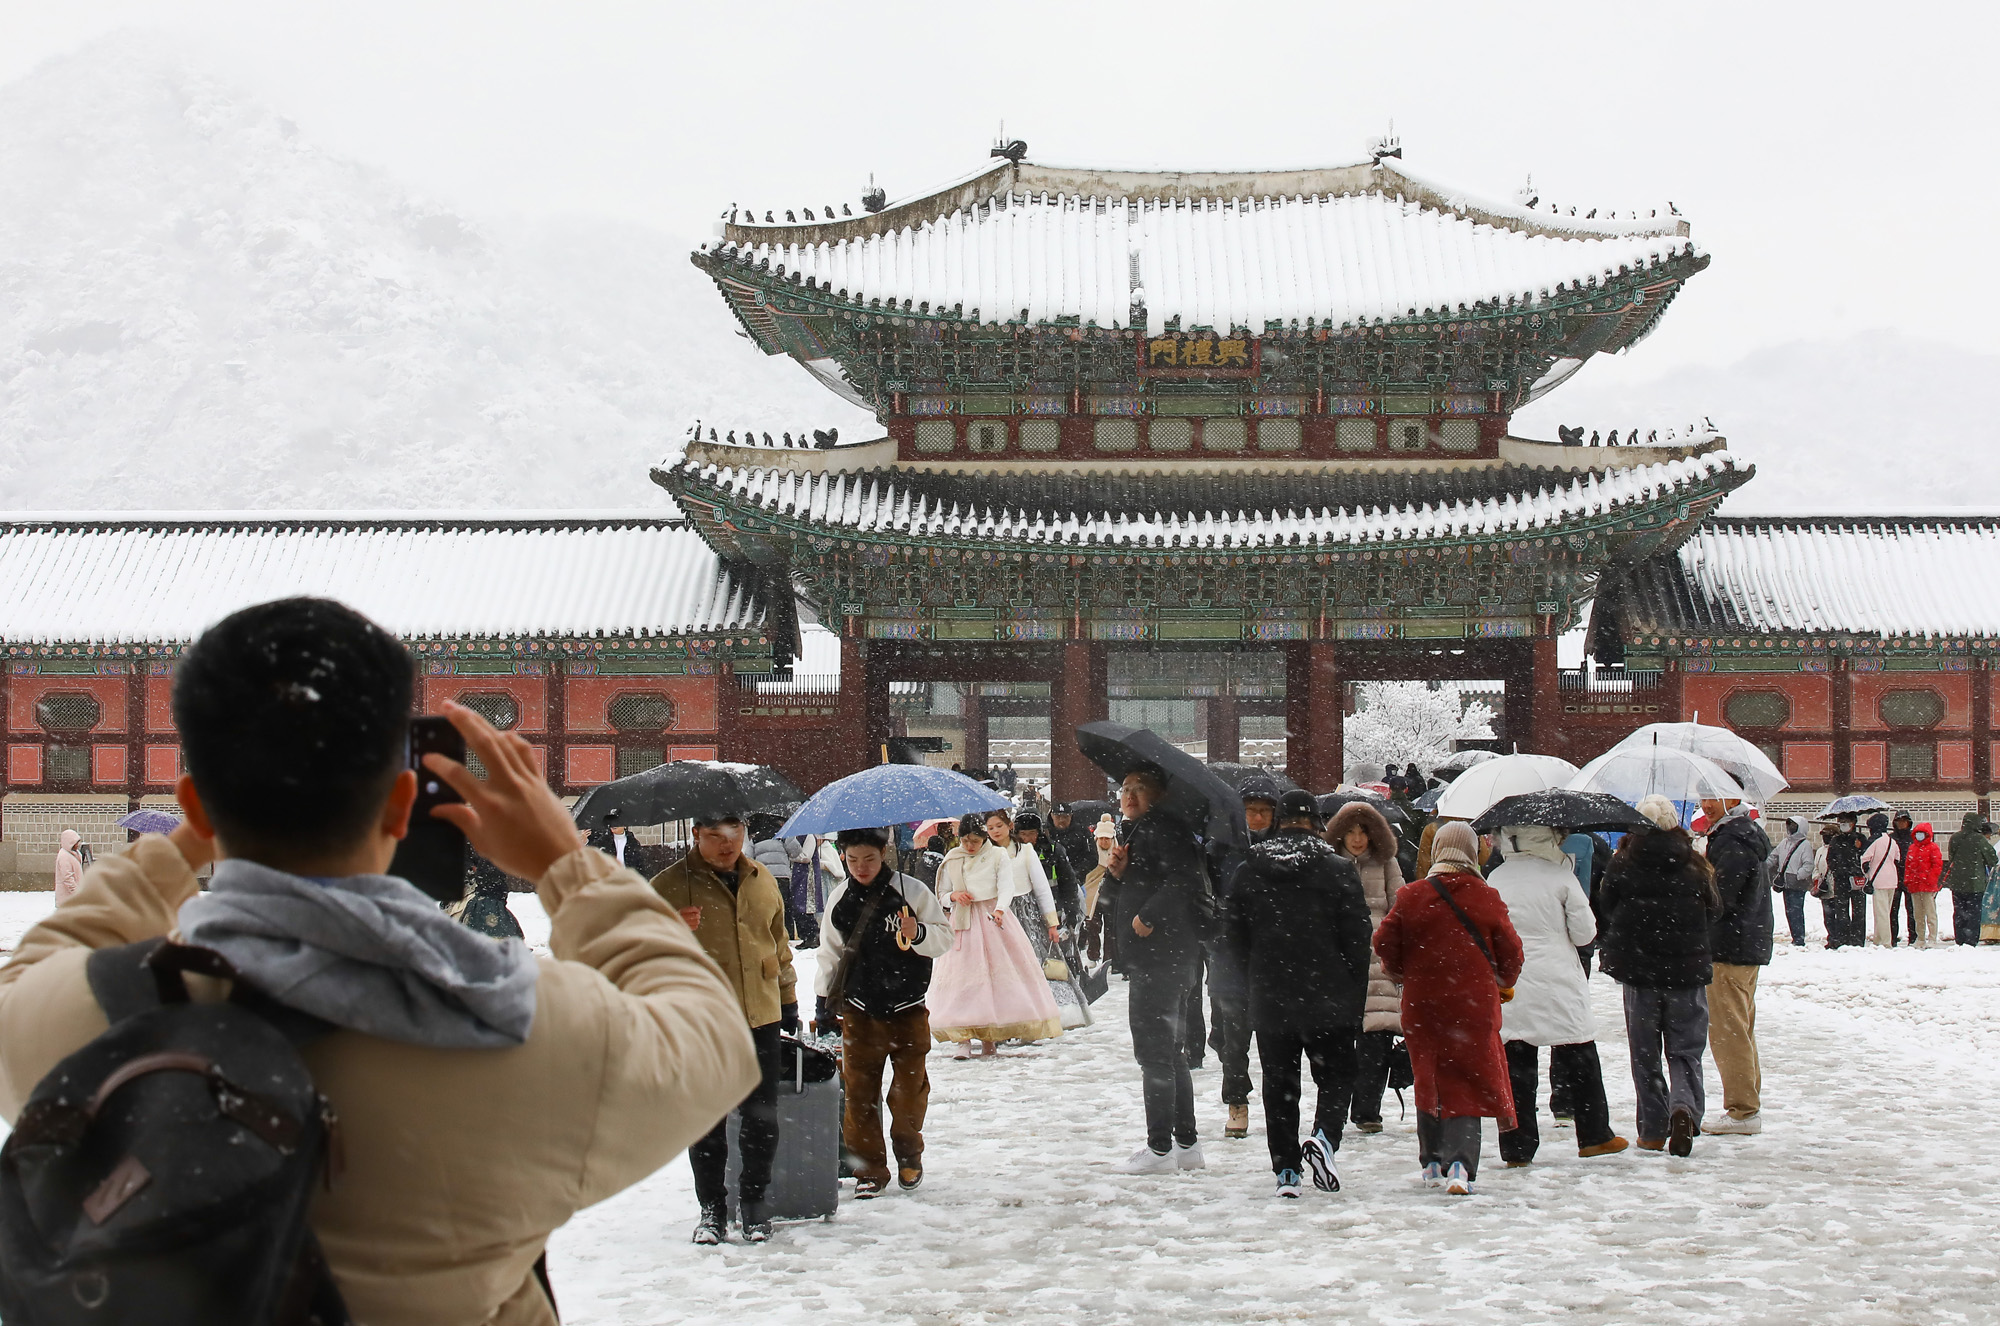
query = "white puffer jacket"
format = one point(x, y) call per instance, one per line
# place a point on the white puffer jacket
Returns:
point(1551, 1004)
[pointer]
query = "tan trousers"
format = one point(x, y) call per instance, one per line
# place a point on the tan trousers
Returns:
point(868, 1044)
point(1927, 928)
point(1884, 903)
point(1732, 1037)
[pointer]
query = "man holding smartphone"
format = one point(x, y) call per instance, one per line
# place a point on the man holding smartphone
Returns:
point(735, 908)
point(596, 1066)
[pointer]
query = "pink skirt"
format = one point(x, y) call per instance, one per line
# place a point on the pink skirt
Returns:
point(989, 987)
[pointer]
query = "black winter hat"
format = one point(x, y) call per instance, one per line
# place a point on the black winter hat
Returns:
point(1027, 820)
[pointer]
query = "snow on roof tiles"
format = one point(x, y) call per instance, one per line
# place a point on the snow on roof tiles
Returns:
point(1220, 263)
point(1919, 576)
point(165, 580)
point(866, 503)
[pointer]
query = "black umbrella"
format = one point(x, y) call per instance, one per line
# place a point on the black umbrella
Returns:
point(1243, 776)
point(1331, 802)
point(1195, 795)
point(690, 790)
point(1559, 808)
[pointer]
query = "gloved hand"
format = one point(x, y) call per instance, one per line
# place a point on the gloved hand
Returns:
point(788, 1018)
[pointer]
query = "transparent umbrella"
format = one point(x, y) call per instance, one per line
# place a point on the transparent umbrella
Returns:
point(1468, 795)
point(1632, 772)
point(1736, 757)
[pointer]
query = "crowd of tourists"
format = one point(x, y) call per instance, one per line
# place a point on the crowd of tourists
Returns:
point(1371, 949)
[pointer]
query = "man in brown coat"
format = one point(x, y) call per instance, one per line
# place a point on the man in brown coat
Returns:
point(594, 1067)
point(735, 908)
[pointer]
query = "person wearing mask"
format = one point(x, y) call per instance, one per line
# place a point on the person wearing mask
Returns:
point(1656, 900)
point(69, 866)
point(1157, 907)
point(484, 1094)
point(1842, 892)
point(1297, 926)
point(1972, 862)
point(989, 986)
point(1740, 947)
point(883, 931)
point(1923, 876)
point(1791, 865)
point(1449, 943)
point(1229, 998)
point(1904, 906)
point(737, 911)
point(1360, 833)
point(1881, 880)
point(1551, 1003)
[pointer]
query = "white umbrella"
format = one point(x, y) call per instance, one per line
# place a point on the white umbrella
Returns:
point(1738, 758)
point(1632, 772)
point(1463, 760)
point(1468, 795)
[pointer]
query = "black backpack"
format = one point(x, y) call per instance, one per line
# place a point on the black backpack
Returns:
point(163, 1173)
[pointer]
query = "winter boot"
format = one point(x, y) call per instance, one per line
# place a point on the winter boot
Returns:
point(869, 1186)
point(1239, 1122)
point(711, 1228)
point(1367, 1125)
point(1456, 1182)
point(909, 1176)
point(1318, 1155)
point(756, 1220)
point(1681, 1130)
point(1291, 1183)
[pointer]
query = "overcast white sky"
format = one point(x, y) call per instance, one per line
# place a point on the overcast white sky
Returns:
point(1836, 159)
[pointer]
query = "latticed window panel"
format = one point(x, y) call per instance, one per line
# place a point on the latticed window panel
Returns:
point(1040, 434)
point(642, 711)
point(1459, 435)
point(496, 707)
point(1757, 709)
point(1117, 435)
point(1912, 761)
point(985, 437)
point(638, 759)
point(1354, 435)
point(1223, 435)
point(1170, 435)
point(68, 711)
point(1912, 708)
point(66, 764)
point(1407, 435)
point(936, 435)
point(1279, 435)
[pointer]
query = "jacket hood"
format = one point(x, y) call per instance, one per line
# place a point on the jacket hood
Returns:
point(1381, 838)
point(1878, 824)
point(1924, 832)
point(1289, 853)
point(70, 838)
point(1533, 840)
point(1970, 822)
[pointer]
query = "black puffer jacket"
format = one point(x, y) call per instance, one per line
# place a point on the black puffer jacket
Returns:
point(1298, 926)
point(1742, 933)
point(1654, 908)
point(1164, 886)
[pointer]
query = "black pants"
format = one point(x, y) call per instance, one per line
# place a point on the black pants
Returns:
point(1442, 1141)
point(1902, 910)
point(1575, 1076)
point(709, 1158)
point(1371, 1074)
point(1194, 1029)
point(1229, 1026)
point(1965, 917)
point(1154, 1010)
point(1330, 1053)
point(1846, 915)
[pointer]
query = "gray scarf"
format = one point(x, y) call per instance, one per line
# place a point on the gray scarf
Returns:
point(371, 953)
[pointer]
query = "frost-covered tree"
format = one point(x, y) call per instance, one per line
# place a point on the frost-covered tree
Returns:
point(1401, 721)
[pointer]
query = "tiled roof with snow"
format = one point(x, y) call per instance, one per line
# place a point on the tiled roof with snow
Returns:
point(1234, 262)
point(164, 580)
point(1915, 576)
point(907, 507)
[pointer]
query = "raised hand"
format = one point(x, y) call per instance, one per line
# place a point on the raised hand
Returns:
point(510, 817)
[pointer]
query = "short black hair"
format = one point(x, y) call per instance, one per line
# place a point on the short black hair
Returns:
point(876, 838)
point(972, 825)
point(294, 720)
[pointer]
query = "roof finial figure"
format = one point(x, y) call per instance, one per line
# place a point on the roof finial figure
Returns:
point(876, 198)
point(1014, 149)
point(1388, 145)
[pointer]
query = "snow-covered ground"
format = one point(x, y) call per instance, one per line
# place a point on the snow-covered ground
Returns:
point(1868, 1200)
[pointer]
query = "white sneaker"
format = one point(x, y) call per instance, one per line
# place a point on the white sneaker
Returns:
point(1456, 1183)
point(1291, 1183)
point(1190, 1157)
point(1748, 1126)
point(1433, 1174)
point(1148, 1161)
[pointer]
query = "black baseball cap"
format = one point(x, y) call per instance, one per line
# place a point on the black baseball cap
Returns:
point(1061, 808)
point(1298, 805)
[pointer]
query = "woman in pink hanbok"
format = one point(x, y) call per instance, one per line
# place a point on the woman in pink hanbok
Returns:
point(990, 986)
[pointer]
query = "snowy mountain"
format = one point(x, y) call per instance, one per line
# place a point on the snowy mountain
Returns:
point(1869, 423)
point(198, 309)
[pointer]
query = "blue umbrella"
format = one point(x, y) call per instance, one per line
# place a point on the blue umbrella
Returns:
point(150, 821)
point(891, 794)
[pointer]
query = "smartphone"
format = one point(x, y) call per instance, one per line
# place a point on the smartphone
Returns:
point(433, 855)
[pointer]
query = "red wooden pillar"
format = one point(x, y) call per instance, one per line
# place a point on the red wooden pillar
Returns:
point(1313, 715)
point(879, 720)
point(1225, 729)
point(136, 682)
point(1545, 700)
point(857, 697)
point(972, 710)
point(1843, 727)
point(1982, 732)
point(1079, 695)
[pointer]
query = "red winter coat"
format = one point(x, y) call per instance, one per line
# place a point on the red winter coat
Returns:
point(1451, 1002)
point(1923, 864)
